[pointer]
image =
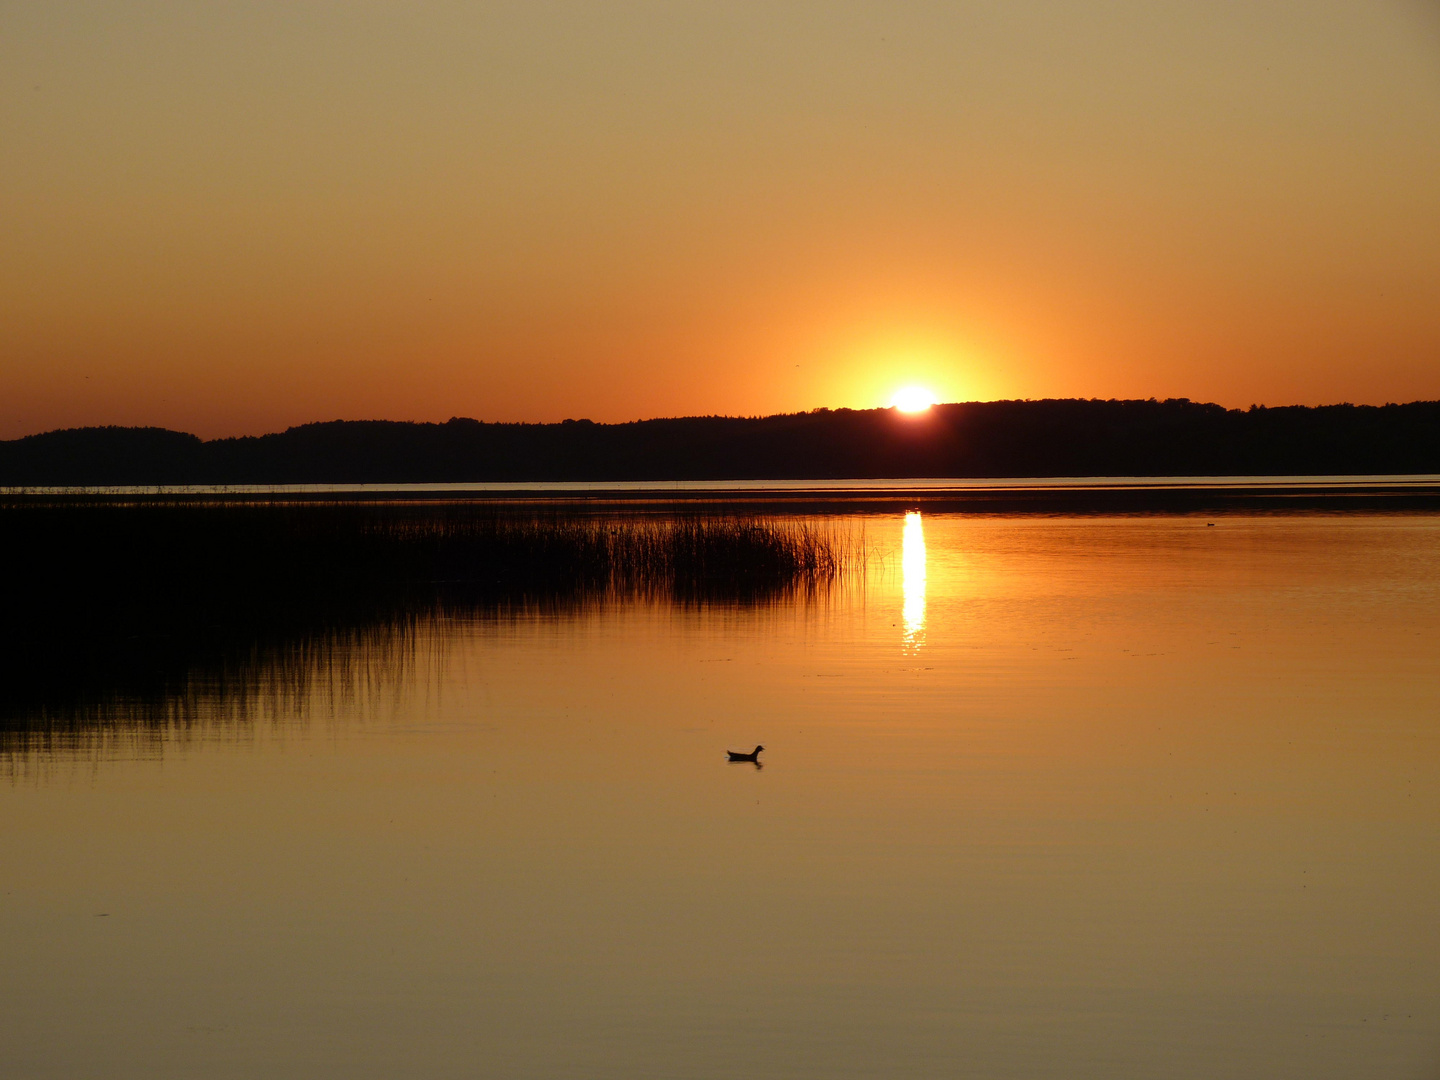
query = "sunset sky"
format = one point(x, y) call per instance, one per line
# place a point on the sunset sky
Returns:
point(229, 218)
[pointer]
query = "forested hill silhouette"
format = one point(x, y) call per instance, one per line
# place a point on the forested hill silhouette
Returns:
point(986, 439)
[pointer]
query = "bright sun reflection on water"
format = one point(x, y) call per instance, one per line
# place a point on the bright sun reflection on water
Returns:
point(912, 563)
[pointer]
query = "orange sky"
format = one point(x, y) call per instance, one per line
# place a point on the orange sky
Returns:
point(231, 218)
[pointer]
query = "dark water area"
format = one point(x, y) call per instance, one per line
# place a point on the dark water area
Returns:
point(124, 608)
point(1043, 794)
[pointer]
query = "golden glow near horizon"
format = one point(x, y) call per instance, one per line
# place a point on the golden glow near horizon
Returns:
point(913, 399)
point(232, 218)
point(912, 566)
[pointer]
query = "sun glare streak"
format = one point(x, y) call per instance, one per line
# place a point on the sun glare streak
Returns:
point(912, 564)
point(913, 399)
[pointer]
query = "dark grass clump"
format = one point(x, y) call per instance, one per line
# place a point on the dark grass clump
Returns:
point(86, 555)
point(111, 601)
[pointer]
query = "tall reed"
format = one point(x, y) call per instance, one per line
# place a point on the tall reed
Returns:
point(109, 599)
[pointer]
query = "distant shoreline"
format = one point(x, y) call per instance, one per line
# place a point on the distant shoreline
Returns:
point(1043, 495)
point(978, 441)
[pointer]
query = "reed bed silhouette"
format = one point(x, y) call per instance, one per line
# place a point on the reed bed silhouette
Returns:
point(89, 554)
point(134, 608)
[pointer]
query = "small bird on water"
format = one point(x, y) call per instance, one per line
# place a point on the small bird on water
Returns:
point(753, 755)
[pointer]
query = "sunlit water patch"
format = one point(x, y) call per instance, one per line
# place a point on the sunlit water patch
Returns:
point(913, 566)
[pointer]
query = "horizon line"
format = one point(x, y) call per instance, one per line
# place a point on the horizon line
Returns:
point(915, 416)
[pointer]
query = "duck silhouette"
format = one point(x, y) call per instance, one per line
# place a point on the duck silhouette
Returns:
point(753, 756)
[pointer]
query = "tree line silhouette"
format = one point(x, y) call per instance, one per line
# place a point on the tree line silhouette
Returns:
point(1176, 437)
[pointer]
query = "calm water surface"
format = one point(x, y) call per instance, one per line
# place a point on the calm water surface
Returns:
point(1043, 797)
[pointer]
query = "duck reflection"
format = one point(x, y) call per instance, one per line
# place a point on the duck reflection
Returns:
point(912, 563)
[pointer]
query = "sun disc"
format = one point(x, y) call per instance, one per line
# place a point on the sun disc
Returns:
point(912, 399)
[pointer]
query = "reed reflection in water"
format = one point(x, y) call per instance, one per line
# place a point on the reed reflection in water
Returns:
point(1160, 801)
point(165, 616)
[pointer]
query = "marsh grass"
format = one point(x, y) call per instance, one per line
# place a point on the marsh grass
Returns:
point(91, 551)
point(141, 608)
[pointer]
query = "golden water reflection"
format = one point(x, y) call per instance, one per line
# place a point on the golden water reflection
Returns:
point(912, 563)
point(1160, 801)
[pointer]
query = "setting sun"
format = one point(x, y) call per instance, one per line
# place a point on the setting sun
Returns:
point(913, 399)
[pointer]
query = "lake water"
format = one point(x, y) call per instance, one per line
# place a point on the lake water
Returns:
point(1042, 797)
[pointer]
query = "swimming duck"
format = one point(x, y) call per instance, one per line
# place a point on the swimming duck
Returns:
point(753, 755)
